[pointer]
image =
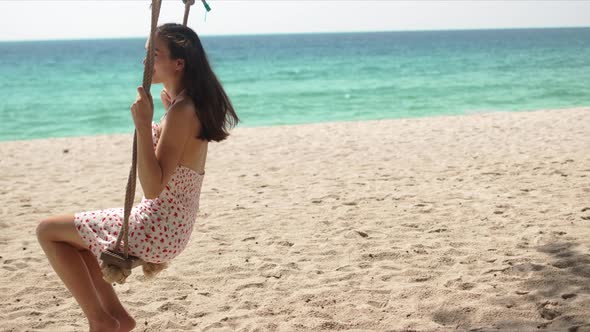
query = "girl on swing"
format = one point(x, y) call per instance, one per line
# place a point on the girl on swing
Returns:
point(170, 166)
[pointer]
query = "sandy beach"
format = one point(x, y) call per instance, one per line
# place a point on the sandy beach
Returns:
point(478, 222)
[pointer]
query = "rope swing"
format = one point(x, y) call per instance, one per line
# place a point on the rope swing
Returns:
point(117, 265)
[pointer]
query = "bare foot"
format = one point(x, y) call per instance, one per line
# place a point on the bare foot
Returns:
point(108, 324)
point(127, 323)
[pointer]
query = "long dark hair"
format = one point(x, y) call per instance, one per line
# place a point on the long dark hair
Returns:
point(214, 109)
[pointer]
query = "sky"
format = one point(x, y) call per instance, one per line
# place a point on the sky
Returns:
point(91, 19)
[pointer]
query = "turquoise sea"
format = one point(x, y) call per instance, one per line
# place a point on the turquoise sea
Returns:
point(85, 87)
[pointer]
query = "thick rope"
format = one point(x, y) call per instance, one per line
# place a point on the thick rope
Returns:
point(147, 83)
point(187, 8)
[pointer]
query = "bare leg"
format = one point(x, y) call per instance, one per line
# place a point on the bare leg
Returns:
point(69, 266)
point(61, 243)
point(106, 293)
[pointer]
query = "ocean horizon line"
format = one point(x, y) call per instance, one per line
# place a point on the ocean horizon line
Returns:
point(282, 34)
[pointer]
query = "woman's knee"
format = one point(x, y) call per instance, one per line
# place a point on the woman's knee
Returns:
point(43, 229)
point(52, 228)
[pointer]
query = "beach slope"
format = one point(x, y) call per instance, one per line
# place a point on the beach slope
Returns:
point(449, 223)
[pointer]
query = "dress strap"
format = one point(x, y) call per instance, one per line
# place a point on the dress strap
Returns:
point(172, 103)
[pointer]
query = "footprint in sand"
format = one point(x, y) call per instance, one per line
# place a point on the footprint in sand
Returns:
point(267, 266)
point(378, 304)
point(369, 234)
point(421, 278)
point(549, 309)
point(14, 264)
point(325, 198)
point(386, 255)
point(387, 277)
point(248, 305)
point(453, 315)
point(566, 263)
point(250, 285)
point(424, 207)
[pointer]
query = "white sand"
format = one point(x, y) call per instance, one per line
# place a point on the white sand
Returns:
point(448, 223)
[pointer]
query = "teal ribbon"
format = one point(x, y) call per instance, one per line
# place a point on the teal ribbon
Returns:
point(206, 5)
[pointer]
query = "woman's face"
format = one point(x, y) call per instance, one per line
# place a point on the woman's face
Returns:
point(165, 67)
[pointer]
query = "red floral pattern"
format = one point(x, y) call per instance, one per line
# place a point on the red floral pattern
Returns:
point(159, 228)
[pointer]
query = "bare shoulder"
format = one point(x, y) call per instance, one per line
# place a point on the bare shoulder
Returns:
point(183, 114)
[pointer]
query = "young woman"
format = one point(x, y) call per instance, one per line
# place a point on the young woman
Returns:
point(171, 159)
